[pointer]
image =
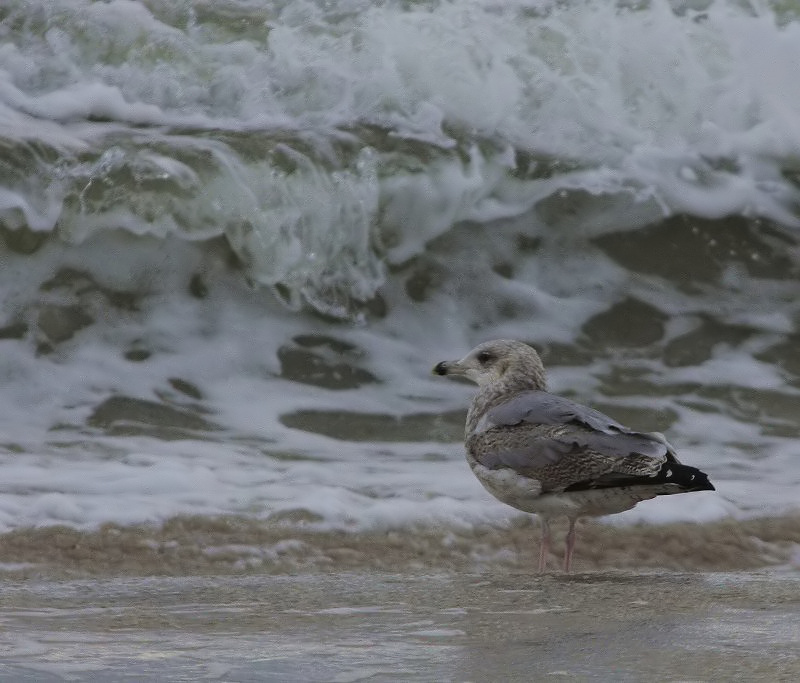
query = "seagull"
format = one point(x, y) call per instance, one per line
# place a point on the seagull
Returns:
point(547, 455)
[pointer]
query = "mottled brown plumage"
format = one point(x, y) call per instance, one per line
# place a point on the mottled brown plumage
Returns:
point(548, 455)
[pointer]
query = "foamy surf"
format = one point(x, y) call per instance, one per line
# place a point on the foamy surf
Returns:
point(324, 143)
point(238, 237)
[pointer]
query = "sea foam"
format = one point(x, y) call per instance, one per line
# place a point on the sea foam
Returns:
point(330, 141)
point(185, 190)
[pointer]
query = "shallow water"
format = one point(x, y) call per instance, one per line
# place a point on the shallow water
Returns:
point(424, 627)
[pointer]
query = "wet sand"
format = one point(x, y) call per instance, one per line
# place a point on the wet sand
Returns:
point(239, 600)
point(376, 626)
point(191, 546)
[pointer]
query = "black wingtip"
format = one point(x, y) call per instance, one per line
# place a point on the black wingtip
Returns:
point(700, 481)
point(687, 477)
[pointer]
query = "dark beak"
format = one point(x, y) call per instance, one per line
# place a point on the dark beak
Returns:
point(440, 368)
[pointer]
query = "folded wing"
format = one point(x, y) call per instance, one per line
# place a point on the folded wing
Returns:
point(566, 446)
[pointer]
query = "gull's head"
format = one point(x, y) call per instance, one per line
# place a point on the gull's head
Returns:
point(501, 360)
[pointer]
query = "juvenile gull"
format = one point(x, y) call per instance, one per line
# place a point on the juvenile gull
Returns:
point(548, 455)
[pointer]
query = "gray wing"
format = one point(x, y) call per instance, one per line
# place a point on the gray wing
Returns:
point(541, 407)
point(563, 444)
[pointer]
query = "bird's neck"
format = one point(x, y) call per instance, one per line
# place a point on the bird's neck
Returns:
point(496, 393)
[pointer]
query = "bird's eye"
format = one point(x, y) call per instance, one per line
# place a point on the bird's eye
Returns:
point(484, 357)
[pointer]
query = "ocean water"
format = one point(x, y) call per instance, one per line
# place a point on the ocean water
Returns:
point(237, 235)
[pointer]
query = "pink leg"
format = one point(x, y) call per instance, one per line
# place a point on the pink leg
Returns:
point(570, 546)
point(544, 544)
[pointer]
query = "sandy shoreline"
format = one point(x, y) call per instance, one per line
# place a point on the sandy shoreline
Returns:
point(189, 546)
point(377, 626)
point(235, 600)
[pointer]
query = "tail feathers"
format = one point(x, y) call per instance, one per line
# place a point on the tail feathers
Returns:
point(687, 477)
